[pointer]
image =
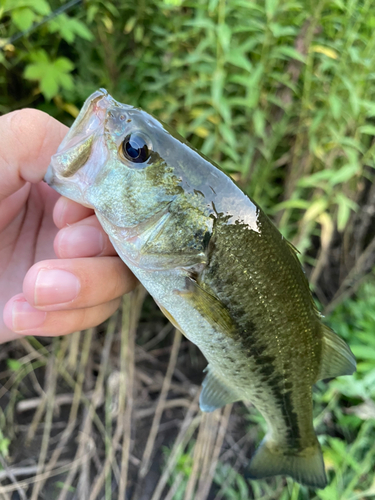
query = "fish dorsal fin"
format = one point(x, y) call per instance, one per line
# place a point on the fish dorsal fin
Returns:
point(215, 392)
point(337, 358)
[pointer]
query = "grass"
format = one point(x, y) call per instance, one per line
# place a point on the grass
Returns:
point(99, 415)
point(281, 95)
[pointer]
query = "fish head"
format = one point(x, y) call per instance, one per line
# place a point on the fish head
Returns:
point(120, 161)
point(141, 177)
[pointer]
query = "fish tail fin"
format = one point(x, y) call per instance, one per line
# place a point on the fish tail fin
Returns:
point(305, 467)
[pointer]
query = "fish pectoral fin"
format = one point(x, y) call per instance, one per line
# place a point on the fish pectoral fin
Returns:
point(209, 307)
point(305, 467)
point(337, 358)
point(215, 393)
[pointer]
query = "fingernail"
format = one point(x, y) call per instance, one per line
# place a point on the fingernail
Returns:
point(25, 317)
point(80, 241)
point(55, 286)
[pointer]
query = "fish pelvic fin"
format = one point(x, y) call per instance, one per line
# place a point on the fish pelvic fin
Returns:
point(306, 466)
point(337, 358)
point(215, 393)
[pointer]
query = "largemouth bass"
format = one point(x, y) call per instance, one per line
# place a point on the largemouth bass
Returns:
point(217, 267)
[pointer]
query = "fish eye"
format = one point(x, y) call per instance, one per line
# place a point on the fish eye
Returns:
point(135, 148)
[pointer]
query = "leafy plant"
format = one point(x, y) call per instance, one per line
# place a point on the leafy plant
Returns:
point(52, 75)
point(281, 95)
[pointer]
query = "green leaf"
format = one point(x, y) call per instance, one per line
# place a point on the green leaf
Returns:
point(51, 74)
point(92, 10)
point(292, 203)
point(49, 85)
point(278, 30)
point(66, 81)
point(217, 86)
point(37, 56)
point(271, 6)
point(34, 72)
point(237, 58)
point(14, 364)
point(259, 122)
point(69, 28)
point(345, 205)
point(224, 34)
point(213, 5)
point(312, 180)
point(40, 7)
point(80, 29)
point(23, 18)
point(4, 446)
point(344, 174)
point(284, 51)
point(228, 136)
point(335, 104)
point(111, 8)
point(64, 65)
point(129, 25)
point(363, 352)
point(367, 129)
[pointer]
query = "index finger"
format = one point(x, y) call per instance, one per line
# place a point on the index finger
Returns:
point(28, 139)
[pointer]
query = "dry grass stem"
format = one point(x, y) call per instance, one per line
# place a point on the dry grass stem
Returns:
point(43, 476)
point(51, 379)
point(160, 406)
point(127, 368)
point(189, 424)
point(205, 485)
point(131, 310)
point(85, 439)
point(87, 339)
point(60, 400)
point(176, 484)
point(10, 474)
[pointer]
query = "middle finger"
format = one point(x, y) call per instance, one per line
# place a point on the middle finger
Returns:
point(85, 238)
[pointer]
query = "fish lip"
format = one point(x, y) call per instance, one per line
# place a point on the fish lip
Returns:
point(91, 117)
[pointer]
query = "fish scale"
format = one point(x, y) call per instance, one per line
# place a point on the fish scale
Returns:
point(216, 266)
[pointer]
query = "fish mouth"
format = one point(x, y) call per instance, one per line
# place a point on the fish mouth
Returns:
point(90, 118)
point(75, 149)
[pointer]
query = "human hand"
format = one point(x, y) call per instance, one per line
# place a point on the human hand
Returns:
point(80, 289)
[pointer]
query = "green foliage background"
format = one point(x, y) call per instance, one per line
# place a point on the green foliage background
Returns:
point(281, 94)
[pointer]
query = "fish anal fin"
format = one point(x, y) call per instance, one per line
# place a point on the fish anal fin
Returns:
point(215, 392)
point(209, 307)
point(337, 358)
point(305, 467)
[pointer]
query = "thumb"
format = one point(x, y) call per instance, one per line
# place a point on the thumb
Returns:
point(28, 139)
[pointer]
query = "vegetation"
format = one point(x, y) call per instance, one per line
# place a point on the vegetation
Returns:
point(281, 94)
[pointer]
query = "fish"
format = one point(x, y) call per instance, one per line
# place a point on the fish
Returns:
point(217, 267)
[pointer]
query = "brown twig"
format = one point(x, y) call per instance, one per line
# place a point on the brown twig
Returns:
point(51, 379)
point(85, 440)
point(351, 283)
point(10, 474)
point(189, 424)
point(160, 406)
point(127, 367)
point(205, 486)
point(87, 339)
